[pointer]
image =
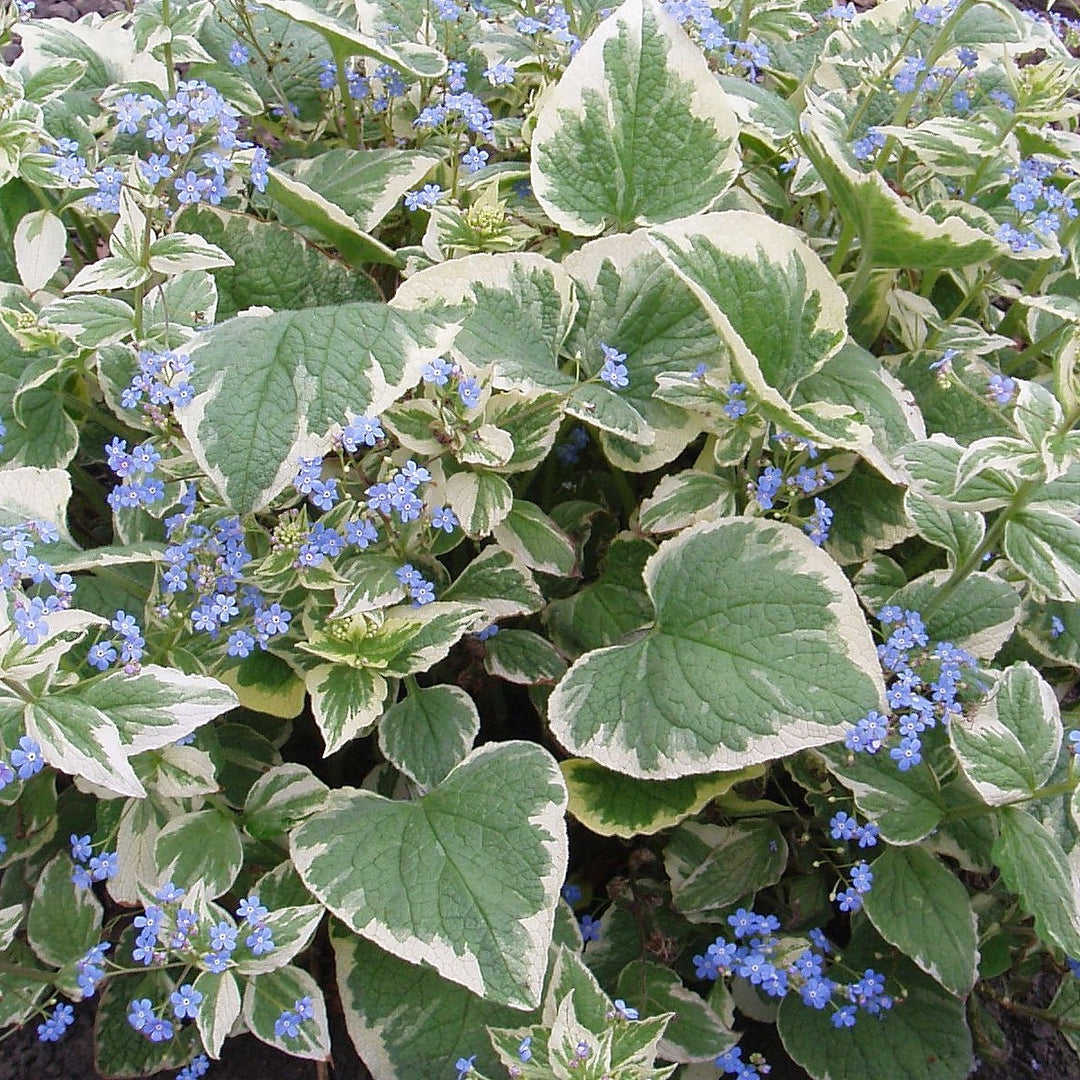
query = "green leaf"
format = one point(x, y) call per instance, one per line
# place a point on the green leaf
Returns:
point(1044, 545)
point(855, 377)
point(497, 582)
point(357, 247)
point(271, 389)
point(531, 420)
point(272, 266)
point(629, 299)
point(518, 308)
point(1009, 745)
point(959, 532)
point(366, 184)
point(64, 920)
point(1066, 1006)
point(428, 732)
point(695, 1033)
point(637, 130)
point(520, 656)
point(611, 804)
point(1034, 866)
point(179, 252)
point(687, 498)
point(78, 738)
point(979, 615)
point(480, 500)
point(281, 799)
point(869, 515)
point(267, 996)
point(40, 242)
point(90, 321)
point(732, 260)
point(180, 772)
point(716, 682)
point(406, 1021)
point(487, 856)
point(536, 540)
point(713, 866)
point(265, 683)
point(601, 613)
point(44, 435)
point(219, 1010)
point(905, 805)
point(344, 41)
point(158, 705)
point(922, 908)
point(203, 846)
point(346, 702)
point(891, 233)
point(923, 1038)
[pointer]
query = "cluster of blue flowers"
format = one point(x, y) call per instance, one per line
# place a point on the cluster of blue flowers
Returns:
point(208, 562)
point(55, 1026)
point(697, 17)
point(20, 566)
point(924, 684)
point(138, 486)
point(1041, 207)
point(569, 450)
point(773, 483)
point(163, 379)
point(287, 1025)
point(753, 1068)
point(89, 867)
point(751, 955)
point(441, 373)
point(129, 645)
point(614, 370)
point(194, 136)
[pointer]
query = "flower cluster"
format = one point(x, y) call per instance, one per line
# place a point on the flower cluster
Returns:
point(89, 867)
point(422, 592)
point(569, 450)
point(756, 946)
point(1040, 207)
point(20, 566)
point(924, 684)
point(192, 137)
point(614, 371)
point(163, 380)
point(287, 1025)
point(138, 486)
point(129, 645)
point(55, 1026)
point(699, 19)
point(440, 373)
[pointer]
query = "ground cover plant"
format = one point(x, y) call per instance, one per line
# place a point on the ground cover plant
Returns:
point(560, 520)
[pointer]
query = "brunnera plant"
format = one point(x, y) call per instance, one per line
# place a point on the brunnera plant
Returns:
point(565, 516)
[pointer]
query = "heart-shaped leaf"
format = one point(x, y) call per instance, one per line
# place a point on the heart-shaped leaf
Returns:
point(465, 878)
point(758, 649)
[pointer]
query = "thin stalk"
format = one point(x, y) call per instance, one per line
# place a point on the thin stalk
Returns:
point(974, 560)
point(170, 66)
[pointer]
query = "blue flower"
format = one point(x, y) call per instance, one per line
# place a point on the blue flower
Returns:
point(185, 1001)
point(469, 392)
point(239, 54)
point(424, 198)
point(590, 928)
point(614, 372)
point(27, 759)
point(362, 431)
point(464, 1065)
point(55, 1026)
